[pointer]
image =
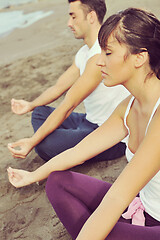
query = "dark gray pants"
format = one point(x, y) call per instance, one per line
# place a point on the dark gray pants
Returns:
point(70, 132)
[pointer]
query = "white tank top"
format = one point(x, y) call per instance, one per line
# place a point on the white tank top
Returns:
point(100, 104)
point(150, 194)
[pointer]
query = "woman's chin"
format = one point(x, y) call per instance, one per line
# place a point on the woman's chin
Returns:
point(107, 83)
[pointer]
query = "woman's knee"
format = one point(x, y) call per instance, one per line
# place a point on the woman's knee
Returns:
point(56, 183)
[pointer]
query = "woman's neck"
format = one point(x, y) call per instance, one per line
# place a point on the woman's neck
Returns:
point(145, 90)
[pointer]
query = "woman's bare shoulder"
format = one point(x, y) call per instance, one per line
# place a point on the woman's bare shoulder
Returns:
point(121, 109)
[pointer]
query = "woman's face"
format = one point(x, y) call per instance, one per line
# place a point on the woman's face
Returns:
point(114, 67)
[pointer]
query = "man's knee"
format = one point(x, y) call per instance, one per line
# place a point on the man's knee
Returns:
point(39, 116)
point(42, 151)
point(38, 111)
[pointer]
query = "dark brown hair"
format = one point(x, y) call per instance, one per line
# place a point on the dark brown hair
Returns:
point(98, 6)
point(139, 30)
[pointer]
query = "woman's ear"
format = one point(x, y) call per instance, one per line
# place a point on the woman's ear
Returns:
point(141, 58)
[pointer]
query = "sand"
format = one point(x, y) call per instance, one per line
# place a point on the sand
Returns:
point(31, 60)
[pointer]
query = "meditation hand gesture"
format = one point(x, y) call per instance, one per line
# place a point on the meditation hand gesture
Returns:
point(21, 148)
point(20, 106)
point(19, 178)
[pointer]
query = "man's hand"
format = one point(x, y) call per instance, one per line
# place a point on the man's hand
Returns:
point(19, 178)
point(20, 106)
point(21, 148)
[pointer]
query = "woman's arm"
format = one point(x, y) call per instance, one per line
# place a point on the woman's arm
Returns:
point(96, 142)
point(142, 168)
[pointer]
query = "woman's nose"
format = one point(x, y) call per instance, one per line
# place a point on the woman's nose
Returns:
point(100, 61)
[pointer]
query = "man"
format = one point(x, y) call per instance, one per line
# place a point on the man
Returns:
point(59, 129)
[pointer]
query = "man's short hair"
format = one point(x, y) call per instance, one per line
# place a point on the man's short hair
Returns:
point(98, 6)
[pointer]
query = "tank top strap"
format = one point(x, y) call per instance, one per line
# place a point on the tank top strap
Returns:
point(127, 111)
point(153, 112)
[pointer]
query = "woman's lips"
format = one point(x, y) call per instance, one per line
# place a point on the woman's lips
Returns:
point(104, 74)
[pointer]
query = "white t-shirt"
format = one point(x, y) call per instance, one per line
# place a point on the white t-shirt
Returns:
point(150, 194)
point(103, 100)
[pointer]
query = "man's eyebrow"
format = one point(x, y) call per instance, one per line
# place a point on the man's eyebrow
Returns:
point(71, 13)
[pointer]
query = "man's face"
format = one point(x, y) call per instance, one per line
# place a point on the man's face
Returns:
point(78, 22)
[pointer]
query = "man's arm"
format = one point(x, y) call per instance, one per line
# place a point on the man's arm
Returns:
point(83, 151)
point(83, 87)
point(65, 81)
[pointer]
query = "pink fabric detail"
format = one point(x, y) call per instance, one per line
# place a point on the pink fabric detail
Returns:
point(135, 212)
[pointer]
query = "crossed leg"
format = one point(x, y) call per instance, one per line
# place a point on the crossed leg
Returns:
point(75, 197)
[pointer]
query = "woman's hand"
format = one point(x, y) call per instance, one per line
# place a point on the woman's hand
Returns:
point(21, 106)
point(21, 148)
point(19, 178)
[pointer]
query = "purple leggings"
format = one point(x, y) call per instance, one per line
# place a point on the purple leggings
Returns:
point(75, 197)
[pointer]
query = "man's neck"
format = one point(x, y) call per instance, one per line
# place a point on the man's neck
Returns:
point(91, 38)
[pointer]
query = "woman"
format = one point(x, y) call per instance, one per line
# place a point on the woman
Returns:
point(89, 208)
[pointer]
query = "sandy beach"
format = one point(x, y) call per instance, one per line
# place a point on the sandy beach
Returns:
point(31, 60)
